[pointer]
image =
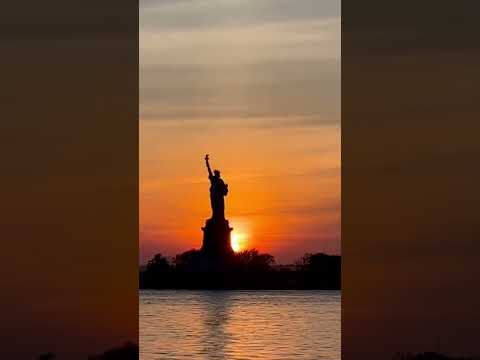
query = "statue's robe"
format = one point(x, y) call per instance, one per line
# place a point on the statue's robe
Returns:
point(218, 190)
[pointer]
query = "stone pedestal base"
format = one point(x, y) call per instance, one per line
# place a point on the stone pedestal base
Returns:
point(216, 239)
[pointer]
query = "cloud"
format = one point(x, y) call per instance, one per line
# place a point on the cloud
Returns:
point(325, 206)
point(293, 40)
point(276, 89)
point(198, 14)
point(224, 59)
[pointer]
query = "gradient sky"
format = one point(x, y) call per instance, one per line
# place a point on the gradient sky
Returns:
point(255, 84)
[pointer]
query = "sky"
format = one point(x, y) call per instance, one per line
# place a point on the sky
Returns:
point(255, 84)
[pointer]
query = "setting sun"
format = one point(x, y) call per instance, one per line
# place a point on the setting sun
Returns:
point(238, 242)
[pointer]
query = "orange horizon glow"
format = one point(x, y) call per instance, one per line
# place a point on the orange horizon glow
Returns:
point(279, 202)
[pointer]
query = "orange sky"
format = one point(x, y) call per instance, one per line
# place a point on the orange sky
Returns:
point(261, 95)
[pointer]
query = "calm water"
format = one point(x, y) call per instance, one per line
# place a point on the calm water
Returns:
point(239, 325)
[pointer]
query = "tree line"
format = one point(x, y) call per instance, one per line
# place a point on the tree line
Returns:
point(248, 269)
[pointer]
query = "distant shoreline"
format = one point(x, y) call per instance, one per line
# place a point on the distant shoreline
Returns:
point(274, 280)
point(317, 272)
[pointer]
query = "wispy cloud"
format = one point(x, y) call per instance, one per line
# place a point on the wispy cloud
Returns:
point(330, 207)
point(198, 14)
point(221, 59)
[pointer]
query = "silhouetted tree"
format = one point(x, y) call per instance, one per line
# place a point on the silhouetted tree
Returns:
point(319, 263)
point(158, 264)
point(321, 270)
point(249, 269)
point(185, 257)
point(187, 260)
point(252, 260)
point(157, 269)
point(302, 263)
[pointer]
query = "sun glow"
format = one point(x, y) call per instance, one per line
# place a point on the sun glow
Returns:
point(238, 241)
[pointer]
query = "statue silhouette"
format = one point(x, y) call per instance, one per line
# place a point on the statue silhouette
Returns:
point(218, 190)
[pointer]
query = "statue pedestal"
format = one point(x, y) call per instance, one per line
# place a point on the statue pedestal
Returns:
point(216, 239)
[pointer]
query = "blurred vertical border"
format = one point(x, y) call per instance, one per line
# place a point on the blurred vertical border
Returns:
point(410, 150)
point(69, 177)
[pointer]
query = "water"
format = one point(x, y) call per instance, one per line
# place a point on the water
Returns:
point(243, 325)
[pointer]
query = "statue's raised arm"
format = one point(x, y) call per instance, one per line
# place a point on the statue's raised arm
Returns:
point(210, 174)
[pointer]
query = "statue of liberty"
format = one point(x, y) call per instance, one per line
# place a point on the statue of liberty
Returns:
point(218, 189)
